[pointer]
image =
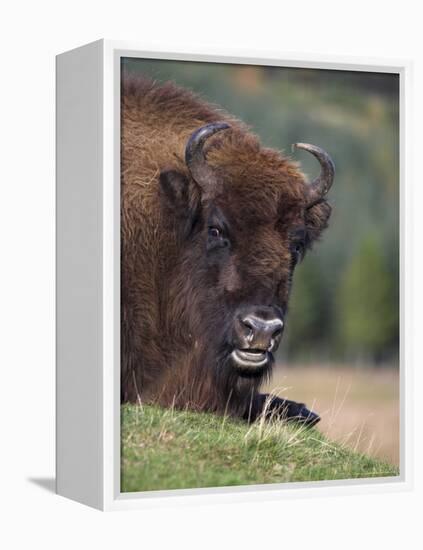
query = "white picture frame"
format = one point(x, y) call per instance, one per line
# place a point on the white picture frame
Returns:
point(88, 279)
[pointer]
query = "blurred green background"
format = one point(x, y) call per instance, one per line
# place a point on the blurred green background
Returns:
point(344, 310)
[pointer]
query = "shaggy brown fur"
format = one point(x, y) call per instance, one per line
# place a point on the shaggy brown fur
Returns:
point(179, 297)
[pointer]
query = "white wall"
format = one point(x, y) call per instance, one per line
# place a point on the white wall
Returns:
point(32, 34)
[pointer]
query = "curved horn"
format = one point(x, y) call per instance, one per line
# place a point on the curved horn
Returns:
point(321, 185)
point(195, 159)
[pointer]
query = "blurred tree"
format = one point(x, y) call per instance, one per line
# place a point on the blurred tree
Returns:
point(309, 319)
point(367, 306)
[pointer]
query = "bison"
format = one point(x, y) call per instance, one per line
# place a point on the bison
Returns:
point(212, 227)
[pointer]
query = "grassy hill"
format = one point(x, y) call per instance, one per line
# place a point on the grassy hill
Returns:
point(168, 449)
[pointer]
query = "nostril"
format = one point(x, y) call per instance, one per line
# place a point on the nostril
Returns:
point(247, 323)
point(248, 327)
point(275, 338)
point(277, 333)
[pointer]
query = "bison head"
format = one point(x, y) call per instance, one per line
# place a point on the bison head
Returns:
point(241, 217)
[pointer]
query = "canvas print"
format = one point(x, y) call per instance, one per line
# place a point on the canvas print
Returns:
point(259, 275)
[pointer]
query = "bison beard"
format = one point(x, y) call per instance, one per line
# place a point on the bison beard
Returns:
point(213, 225)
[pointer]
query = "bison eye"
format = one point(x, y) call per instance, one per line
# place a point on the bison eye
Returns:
point(216, 238)
point(214, 232)
point(297, 251)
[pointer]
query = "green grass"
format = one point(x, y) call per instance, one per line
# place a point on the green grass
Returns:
point(169, 449)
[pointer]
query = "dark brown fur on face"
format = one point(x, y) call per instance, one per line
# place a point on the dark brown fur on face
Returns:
point(182, 286)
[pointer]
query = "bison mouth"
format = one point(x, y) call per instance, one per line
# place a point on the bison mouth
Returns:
point(250, 361)
point(256, 334)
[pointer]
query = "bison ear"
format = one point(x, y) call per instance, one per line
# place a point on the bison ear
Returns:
point(316, 219)
point(174, 187)
point(179, 199)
